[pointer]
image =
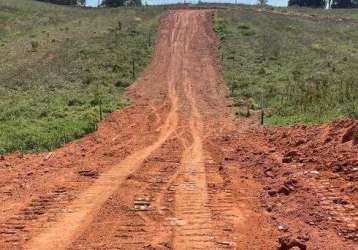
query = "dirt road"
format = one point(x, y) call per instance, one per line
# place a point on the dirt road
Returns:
point(153, 176)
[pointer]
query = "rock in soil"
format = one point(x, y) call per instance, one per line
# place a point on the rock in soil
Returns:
point(287, 243)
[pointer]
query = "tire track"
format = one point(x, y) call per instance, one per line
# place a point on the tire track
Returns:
point(80, 213)
point(137, 220)
point(193, 218)
point(191, 198)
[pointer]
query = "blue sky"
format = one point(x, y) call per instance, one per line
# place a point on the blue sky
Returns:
point(91, 2)
point(271, 2)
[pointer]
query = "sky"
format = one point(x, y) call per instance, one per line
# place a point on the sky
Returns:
point(92, 3)
point(271, 2)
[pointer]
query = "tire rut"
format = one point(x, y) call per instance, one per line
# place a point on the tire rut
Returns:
point(194, 225)
point(60, 234)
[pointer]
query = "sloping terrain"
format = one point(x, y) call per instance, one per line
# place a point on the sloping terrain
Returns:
point(63, 68)
point(300, 68)
point(178, 170)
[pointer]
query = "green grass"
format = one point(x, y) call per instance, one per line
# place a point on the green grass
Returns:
point(302, 70)
point(57, 64)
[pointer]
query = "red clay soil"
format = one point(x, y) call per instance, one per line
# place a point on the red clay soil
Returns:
point(177, 170)
point(309, 178)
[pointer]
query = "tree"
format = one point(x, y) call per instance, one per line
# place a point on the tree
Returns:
point(344, 4)
point(65, 2)
point(118, 3)
point(113, 3)
point(308, 3)
point(262, 2)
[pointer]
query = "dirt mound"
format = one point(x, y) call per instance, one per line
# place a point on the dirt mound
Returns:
point(308, 177)
point(330, 147)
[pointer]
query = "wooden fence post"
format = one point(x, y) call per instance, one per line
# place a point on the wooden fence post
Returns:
point(262, 109)
point(133, 69)
point(100, 109)
point(149, 40)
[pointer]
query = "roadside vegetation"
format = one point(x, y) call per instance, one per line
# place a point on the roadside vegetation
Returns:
point(301, 70)
point(63, 68)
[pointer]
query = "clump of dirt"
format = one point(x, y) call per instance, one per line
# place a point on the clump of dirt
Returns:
point(351, 135)
point(287, 243)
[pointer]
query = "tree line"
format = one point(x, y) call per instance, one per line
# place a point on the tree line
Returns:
point(301, 3)
point(107, 3)
point(118, 3)
point(65, 2)
point(323, 3)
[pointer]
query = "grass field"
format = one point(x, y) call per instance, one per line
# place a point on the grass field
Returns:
point(302, 70)
point(59, 66)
